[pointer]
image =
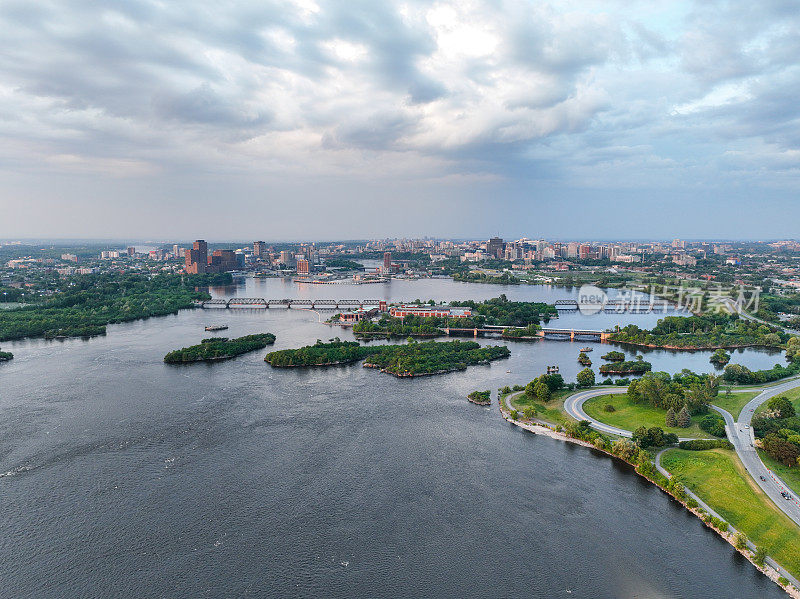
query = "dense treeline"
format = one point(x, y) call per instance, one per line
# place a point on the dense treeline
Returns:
point(206, 279)
point(685, 390)
point(322, 354)
point(91, 302)
point(630, 367)
point(219, 348)
point(432, 357)
point(778, 427)
point(701, 332)
point(501, 311)
point(343, 263)
point(480, 277)
point(736, 373)
point(703, 444)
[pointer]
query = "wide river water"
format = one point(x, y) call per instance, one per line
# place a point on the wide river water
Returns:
point(121, 476)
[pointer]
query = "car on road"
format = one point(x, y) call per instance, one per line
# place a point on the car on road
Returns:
point(746, 426)
point(763, 477)
point(785, 495)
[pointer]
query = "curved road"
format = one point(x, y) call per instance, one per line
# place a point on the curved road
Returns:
point(740, 434)
point(573, 406)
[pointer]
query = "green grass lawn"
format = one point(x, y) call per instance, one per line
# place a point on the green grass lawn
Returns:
point(630, 416)
point(734, 402)
point(552, 412)
point(790, 475)
point(719, 479)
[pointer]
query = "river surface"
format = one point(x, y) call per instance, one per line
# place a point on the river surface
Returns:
point(121, 476)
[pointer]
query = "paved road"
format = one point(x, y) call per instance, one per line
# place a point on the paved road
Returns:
point(741, 435)
point(573, 405)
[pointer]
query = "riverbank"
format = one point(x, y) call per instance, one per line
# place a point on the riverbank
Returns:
point(688, 504)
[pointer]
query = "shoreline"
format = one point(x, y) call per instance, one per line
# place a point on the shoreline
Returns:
point(543, 429)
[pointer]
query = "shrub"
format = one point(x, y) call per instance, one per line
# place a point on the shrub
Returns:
point(609, 408)
point(714, 424)
point(760, 556)
point(703, 444)
point(740, 541)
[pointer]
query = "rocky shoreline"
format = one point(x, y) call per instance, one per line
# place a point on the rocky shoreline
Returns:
point(542, 429)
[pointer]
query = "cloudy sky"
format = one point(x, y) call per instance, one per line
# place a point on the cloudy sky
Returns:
point(289, 119)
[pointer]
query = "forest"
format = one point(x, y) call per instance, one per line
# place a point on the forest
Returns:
point(88, 303)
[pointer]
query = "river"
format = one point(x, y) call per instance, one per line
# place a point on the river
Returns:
point(121, 476)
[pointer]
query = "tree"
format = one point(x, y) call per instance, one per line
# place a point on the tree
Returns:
point(785, 452)
point(760, 556)
point(781, 407)
point(585, 377)
point(541, 391)
point(514, 414)
point(529, 412)
point(740, 541)
point(671, 421)
point(684, 419)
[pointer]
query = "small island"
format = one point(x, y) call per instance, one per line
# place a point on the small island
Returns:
point(219, 348)
point(5, 356)
point(638, 366)
point(407, 360)
point(480, 398)
point(613, 356)
point(720, 357)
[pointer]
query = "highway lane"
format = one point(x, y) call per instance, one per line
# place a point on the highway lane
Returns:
point(741, 435)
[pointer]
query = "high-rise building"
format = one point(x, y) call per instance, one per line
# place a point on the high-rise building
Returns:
point(197, 258)
point(131, 251)
point(303, 267)
point(287, 258)
point(494, 247)
point(259, 249)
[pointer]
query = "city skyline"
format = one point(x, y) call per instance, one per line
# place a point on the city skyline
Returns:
point(323, 121)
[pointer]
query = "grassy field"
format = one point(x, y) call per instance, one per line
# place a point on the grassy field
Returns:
point(734, 402)
point(719, 479)
point(552, 412)
point(630, 416)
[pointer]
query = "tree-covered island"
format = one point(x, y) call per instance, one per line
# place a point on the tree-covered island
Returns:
point(219, 348)
point(480, 398)
point(5, 356)
point(411, 359)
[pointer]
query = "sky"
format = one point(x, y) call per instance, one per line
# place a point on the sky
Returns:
point(306, 119)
